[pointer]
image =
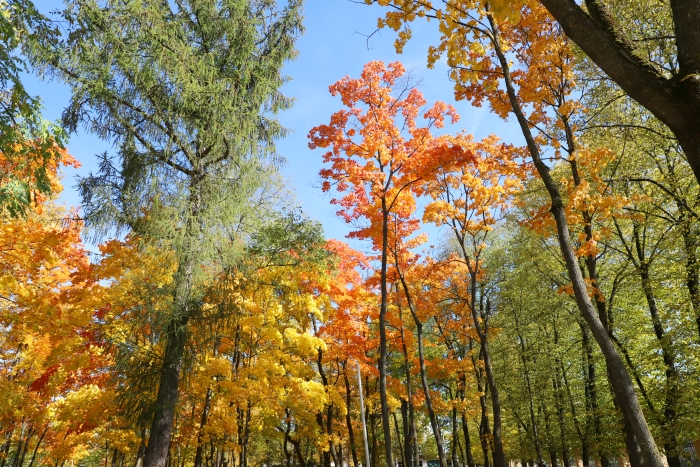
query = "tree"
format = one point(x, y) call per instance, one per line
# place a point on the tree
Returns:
point(468, 199)
point(52, 358)
point(187, 91)
point(378, 154)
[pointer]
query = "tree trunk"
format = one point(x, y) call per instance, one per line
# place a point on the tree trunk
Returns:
point(348, 421)
point(410, 442)
point(162, 426)
point(619, 377)
point(38, 443)
point(467, 442)
point(455, 437)
point(550, 439)
point(297, 451)
point(668, 423)
point(407, 434)
point(423, 375)
point(692, 266)
point(531, 400)
point(203, 422)
point(484, 429)
point(382, 339)
point(499, 458)
point(674, 101)
point(398, 438)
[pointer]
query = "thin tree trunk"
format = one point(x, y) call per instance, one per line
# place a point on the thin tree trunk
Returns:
point(692, 265)
point(668, 423)
point(348, 421)
point(300, 455)
point(531, 401)
point(467, 442)
point(423, 375)
point(455, 437)
point(398, 438)
point(484, 429)
point(411, 442)
point(30, 435)
point(203, 422)
point(550, 438)
point(499, 458)
point(6, 447)
point(407, 435)
point(38, 443)
point(382, 339)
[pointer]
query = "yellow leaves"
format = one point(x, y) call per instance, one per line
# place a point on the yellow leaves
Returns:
point(303, 343)
point(8, 285)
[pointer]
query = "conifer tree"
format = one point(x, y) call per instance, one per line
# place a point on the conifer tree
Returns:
point(187, 91)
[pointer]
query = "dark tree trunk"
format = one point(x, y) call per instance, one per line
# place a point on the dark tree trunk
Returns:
point(692, 266)
point(410, 441)
point(423, 375)
point(499, 458)
point(398, 439)
point(668, 423)
point(382, 339)
point(577, 425)
point(38, 443)
point(467, 442)
point(285, 448)
point(375, 443)
point(297, 451)
point(407, 434)
point(348, 421)
point(455, 437)
point(531, 399)
point(550, 439)
point(200, 448)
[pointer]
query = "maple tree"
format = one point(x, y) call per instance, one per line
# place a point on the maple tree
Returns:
point(378, 166)
point(52, 354)
point(468, 199)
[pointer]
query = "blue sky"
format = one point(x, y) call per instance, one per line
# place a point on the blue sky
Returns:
point(333, 46)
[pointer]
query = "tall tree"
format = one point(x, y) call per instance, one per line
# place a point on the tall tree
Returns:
point(187, 92)
point(378, 155)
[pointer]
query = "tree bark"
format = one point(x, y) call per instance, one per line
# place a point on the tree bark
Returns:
point(467, 442)
point(348, 421)
point(526, 375)
point(499, 458)
point(162, 426)
point(674, 101)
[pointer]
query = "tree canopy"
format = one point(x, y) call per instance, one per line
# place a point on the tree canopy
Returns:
point(191, 312)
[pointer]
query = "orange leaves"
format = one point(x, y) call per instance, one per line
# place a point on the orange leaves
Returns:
point(379, 152)
point(470, 197)
point(48, 335)
point(29, 173)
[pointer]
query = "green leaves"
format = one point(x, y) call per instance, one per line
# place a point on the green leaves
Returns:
point(28, 143)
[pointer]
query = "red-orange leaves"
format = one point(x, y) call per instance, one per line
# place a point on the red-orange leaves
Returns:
point(378, 149)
